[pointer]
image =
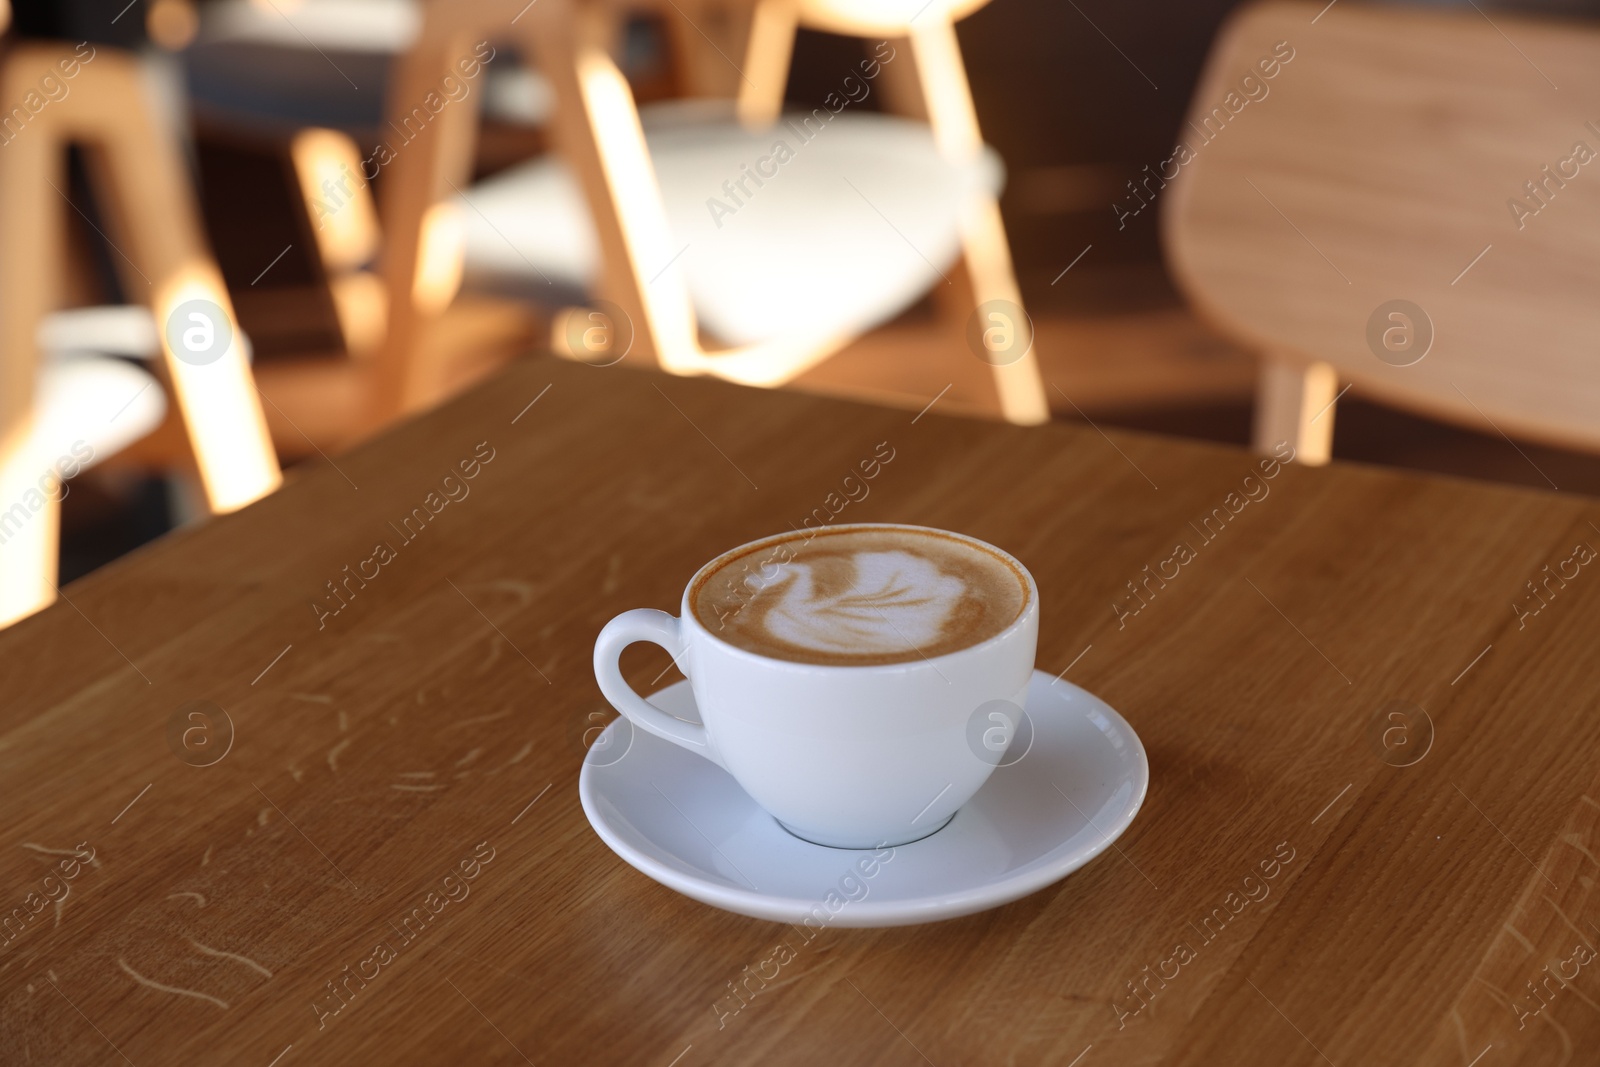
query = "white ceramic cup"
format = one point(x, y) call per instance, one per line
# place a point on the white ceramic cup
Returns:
point(847, 756)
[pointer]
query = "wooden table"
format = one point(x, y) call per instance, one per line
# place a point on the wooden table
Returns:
point(1334, 905)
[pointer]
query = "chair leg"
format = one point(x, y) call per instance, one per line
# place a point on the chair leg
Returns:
point(766, 62)
point(988, 260)
point(135, 160)
point(897, 81)
point(1294, 404)
point(704, 35)
point(31, 218)
point(30, 524)
point(948, 98)
point(420, 177)
point(598, 124)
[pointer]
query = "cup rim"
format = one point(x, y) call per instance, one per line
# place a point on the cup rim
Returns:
point(1029, 612)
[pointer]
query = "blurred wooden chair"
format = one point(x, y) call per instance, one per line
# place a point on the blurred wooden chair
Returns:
point(407, 342)
point(1406, 205)
point(80, 397)
point(807, 266)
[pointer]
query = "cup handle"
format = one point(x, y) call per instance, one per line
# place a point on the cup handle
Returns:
point(658, 628)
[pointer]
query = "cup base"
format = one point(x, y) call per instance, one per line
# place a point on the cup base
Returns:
point(791, 831)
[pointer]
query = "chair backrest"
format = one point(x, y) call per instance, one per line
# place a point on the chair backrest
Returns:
point(1340, 159)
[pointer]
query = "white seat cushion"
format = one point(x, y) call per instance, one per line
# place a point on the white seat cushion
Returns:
point(102, 403)
point(108, 330)
point(803, 252)
point(529, 224)
point(112, 330)
point(348, 25)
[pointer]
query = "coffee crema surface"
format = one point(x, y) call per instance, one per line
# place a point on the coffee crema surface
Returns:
point(860, 597)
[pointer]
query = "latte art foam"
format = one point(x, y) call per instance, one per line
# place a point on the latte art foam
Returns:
point(860, 596)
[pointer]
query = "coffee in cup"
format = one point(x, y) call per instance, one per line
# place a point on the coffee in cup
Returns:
point(857, 596)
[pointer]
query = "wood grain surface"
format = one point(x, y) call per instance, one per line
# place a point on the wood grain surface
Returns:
point(1290, 893)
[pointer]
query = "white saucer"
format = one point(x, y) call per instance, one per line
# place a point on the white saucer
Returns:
point(685, 822)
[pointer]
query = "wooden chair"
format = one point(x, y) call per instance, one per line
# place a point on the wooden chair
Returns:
point(393, 267)
point(603, 141)
point(163, 263)
point(636, 230)
point(1398, 155)
point(932, 88)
